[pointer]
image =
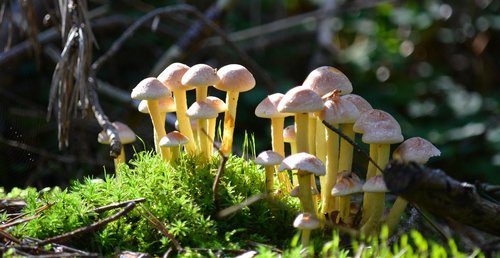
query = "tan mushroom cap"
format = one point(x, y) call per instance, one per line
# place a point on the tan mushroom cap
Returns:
point(235, 77)
point(125, 134)
point(378, 127)
point(347, 183)
point(325, 79)
point(150, 89)
point(165, 105)
point(300, 99)
point(289, 134)
point(219, 105)
point(172, 76)
point(415, 149)
point(362, 104)
point(339, 111)
point(201, 110)
point(306, 221)
point(375, 184)
point(268, 158)
point(173, 139)
point(304, 162)
point(268, 107)
point(200, 75)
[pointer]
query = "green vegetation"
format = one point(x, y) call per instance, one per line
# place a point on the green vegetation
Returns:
point(181, 198)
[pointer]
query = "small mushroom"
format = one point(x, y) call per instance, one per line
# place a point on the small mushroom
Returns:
point(201, 110)
point(201, 76)
point(234, 79)
point(417, 150)
point(171, 77)
point(219, 107)
point(375, 185)
point(165, 106)
point(347, 184)
point(126, 136)
point(269, 159)
point(152, 90)
point(174, 141)
point(306, 222)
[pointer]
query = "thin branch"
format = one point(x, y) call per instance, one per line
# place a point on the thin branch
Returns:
point(90, 228)
point(247, 202)
point(157, 223)
point(117, 205)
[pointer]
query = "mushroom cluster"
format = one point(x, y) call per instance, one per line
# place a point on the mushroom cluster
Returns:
point(317, 153)
point(325, 96)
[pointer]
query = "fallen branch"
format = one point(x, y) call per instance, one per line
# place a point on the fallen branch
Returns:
point(158, 225)
point(434, 191)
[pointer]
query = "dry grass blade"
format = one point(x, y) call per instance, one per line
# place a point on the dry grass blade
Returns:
point(157, 224)
point(31, 29)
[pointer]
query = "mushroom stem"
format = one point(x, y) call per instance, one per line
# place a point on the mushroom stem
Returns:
point(212, 125)
point(159, 126)
point(120, 158)
point(311, 125)
point(229, 121)
point(320, 147)
point(305, 193)
point(367, 197)
point(201, 95)
point(184, 123)
point(301, 129)
point(269, 180)
point(345, 164)
point(277, 124)
point(306, 235)
point(378, 199)
point(395, 213)
point(175, 153)
point(332, 154)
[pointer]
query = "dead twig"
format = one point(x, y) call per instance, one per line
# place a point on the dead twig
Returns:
point(117, 205)
point(158, 225)
point(90, 228)
point(247, 202)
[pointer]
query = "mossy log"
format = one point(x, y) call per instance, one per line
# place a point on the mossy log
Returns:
point(436, 192)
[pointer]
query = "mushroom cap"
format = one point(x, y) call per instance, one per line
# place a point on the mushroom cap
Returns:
point(339, 111)
point(235, 77)
point(306, 221)
point(268, 158)
point(289, 133)
point(219, 105)
point(268, 107)
point(358, 101)
point(165, 105)
point(415, 149)
point(201, 110)
point(304, 162)
point(173, 139)
point(300, 99)
point(172, 76)
point(347, 183)
point(125, 134)
point(378, 127)
point(200, 75)
point(325, 79)
point(376, 184)
point(150, 89)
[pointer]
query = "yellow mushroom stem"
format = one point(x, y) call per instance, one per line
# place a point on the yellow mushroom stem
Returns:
point(120, 159)
point(175, 153)
point(395, 213)
point(345, 164)
point(305, 193)
point(311, 134)
point(159, 126)
point(229, 122)
point(321, 147)
point(184, 123)
point(306, 235)
point(212, 125)
point(367, 197)
point(332, 155)
point(269, 179)
point(377, 199)
point(278, 145)
point(201, 95)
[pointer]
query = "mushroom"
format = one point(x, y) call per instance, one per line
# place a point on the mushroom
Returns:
point(358, 101)
point(300, 101)
point(174, 141)
point(201, 76)
point(289, 136)
point(219, 107)
point(380, 130)
point(165, 106)
point(347, 184)
point(202, 110)
point(151, 90)
point(234, 79)
point(375, 185)
point(306, 222)
point(324, 80)
point(306, 165)
point(268, 108)
point(269, 159)
point(171, 77)
point(336, 111)
point(126, 136)
point(194, 127)
point(416, 150)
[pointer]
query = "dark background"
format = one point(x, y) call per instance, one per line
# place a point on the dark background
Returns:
point(434, 65)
